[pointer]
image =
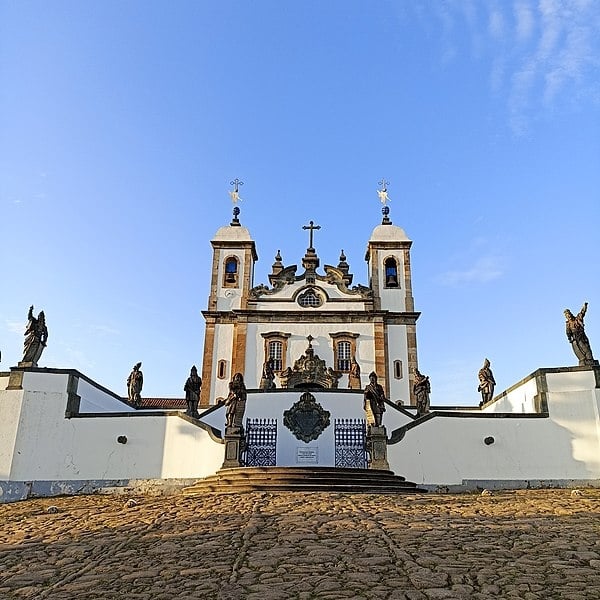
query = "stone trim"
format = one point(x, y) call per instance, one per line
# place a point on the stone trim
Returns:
point(14, 491)
point(286, 316)
point(207, 362)
point(398, 434)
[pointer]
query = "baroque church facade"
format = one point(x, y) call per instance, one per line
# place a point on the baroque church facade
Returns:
point(311, 316)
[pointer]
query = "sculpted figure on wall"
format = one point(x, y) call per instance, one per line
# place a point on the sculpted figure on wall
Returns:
point(576, 335)
point(422, 389)
point(192, 388)
point(236, 402)
point(374, 401)
point(135, 382)
point(36, 337)
point(267, 381)
point(354, 375)
point(486, 383)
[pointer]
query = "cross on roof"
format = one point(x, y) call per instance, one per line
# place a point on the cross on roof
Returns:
point(311, 227)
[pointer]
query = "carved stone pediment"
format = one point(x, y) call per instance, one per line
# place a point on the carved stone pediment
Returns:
point(306, 419)
point(310, 371)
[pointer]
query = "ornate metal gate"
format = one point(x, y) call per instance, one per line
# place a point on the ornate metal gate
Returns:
point(261, 443)
point(350, 449)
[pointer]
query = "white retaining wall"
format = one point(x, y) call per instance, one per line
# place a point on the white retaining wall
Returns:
point(544, 430)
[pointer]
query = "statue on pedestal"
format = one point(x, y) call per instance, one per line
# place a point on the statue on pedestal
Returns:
point(422, 389)
point(236, 402)
point(135, 382)
point(374, 401)
point(192, 393)
point(36, 337)
point(576, 335)
point(486, 383)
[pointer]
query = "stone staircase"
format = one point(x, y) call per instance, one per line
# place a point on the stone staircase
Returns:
point(303, 479)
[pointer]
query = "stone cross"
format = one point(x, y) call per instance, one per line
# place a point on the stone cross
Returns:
point(311, 227)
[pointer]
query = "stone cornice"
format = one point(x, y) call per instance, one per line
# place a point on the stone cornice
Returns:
point(303, 316)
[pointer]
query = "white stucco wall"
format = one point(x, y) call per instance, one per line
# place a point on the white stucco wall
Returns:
point(519, 399)
point(49, 446)
point(347, 405)
point(285, 299)
point(38, 443)
point(322, 343)
point(96, 400)
point(563, 446)
point(222, 350)
point(398, 350)
point(10, 410)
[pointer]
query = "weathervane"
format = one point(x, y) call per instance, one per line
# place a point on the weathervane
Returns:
point(311, 227)
point(235, 198)
point(384, 198)
point(382, 193)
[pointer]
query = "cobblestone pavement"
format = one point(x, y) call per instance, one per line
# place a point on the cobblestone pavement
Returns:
point(528, 544)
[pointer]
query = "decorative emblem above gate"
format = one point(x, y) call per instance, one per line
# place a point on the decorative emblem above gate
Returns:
point(307, 419)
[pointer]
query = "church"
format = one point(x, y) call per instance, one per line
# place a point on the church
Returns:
point(371, 326)
point(306, 375)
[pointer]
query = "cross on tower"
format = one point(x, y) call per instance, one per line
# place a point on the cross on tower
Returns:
point(311, 227)
point(234, 194)
point(382, 193)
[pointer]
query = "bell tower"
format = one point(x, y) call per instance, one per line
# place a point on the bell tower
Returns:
point(395, 333)
point(234, 255)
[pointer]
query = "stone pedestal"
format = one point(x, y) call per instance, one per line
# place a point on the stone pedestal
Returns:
point(234, 446)
point(377, 448)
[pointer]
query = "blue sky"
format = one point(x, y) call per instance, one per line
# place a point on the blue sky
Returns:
point(122, 124)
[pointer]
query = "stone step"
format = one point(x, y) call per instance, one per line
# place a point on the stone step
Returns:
point(246, 479)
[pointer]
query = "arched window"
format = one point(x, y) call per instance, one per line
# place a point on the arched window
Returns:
point(222, 369)
point(398, 369)
point(230, 278)
point(391, 272)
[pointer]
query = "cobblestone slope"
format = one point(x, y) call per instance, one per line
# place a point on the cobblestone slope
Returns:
point(534, 544)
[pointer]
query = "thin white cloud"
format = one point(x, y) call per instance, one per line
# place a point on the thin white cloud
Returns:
point(101, 329)
point(537, 50)
point(524, 21)
point(484, 270)
point(496, 24)
point(15, 326)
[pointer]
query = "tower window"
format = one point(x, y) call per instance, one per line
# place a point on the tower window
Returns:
point(391, 272)
point(230, 278)
point(222, 369)
point(398, 369)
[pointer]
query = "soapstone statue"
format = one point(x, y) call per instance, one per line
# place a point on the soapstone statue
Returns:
point(192, 393)
point(135, 381)
point(577, 337)
point(374, 401)
point(36, 338)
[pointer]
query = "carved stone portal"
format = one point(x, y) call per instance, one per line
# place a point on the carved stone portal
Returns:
point(310, 371)
point(307, 419)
